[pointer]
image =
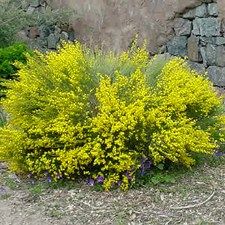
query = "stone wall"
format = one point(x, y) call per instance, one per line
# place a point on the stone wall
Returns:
point(45, 36)
point(200, 35)
point(113, 24)
point(193, 28)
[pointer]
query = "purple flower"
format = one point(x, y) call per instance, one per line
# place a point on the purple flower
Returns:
point(90, 182)
point(145, 165)
point(218, 153)
point(128, 175)
point(119, 183)
point(100, 179)
point(49, 179)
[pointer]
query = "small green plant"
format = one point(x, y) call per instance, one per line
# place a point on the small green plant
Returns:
point(76, 113)
point(9, 55)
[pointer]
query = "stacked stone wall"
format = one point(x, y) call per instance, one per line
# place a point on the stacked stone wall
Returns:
point(200, 35)
point(45, 36)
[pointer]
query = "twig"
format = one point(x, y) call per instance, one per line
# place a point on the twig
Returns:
point(195, 205)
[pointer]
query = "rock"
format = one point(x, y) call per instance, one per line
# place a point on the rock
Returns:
point(206, 40)
point(217, 75)
point(182, 26)
point(220, 41)
point(64, 36)
point(52, 41)
point(177, 46)
point(206, 27)
point(71, 35)
point(193, 49)
point(190, 14)
point(211, 55)
point(208, 55)
point(223, 26)
point(203, 55)
point(201, 11)
point(213, 9)
point(33, 32)
point(220, 56)
point(198, 67)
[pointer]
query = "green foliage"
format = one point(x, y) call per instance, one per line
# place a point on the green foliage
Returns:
point(77, 113)
point(8, 56)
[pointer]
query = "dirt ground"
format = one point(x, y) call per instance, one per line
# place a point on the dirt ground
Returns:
point(196, 198)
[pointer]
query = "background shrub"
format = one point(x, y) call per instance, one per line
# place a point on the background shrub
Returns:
point(14, 18)
point(8, 56)
point(77, 113)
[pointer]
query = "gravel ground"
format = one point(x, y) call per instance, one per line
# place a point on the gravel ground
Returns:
point(195, 198)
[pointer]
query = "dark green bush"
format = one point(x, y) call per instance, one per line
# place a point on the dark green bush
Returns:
point(8, 56)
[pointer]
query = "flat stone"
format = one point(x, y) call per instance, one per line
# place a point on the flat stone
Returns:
point(220, 40)
point(52, 41)
point(182, 27)
point(206, 27)
point(213, 9)
point(198, 67)
point(190, 14)
point(211, 55)
point(203, 55)
point(208, 55)
point(220, 56)
point(201, 11)
point(206, 40)
point(193, 49)
point(177, 46)
point(217, 75)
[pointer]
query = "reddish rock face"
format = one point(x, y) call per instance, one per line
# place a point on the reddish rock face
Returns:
point(113, 24)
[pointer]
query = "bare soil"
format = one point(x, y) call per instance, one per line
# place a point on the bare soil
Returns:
point(197, 197)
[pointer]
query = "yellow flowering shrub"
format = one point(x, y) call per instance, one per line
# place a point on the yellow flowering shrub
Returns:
point(77, 113)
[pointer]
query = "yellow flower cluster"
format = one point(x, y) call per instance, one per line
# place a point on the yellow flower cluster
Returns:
point(75, 113)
